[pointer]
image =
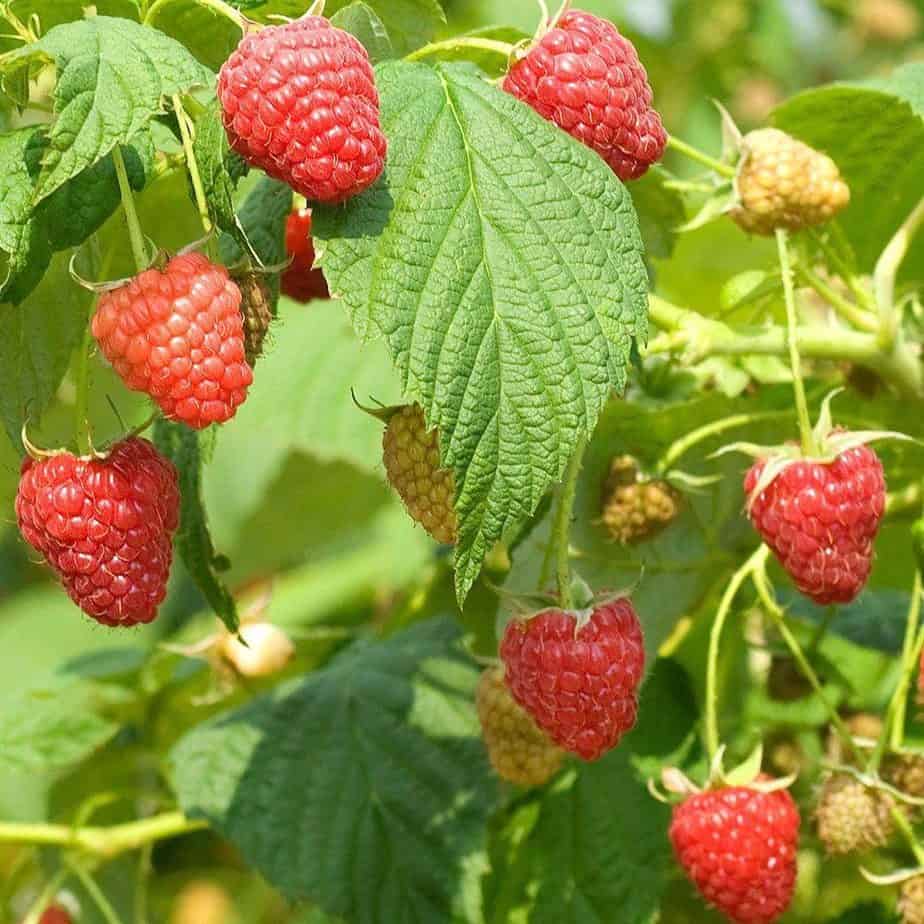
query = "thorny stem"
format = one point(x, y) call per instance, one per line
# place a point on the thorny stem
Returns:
point(762, 585)
point(680, 447)
point(805, 424)
point(561, 529)
point(191, 164)
point(462, 41)
point(846, 309)
point(104, 842)
point(681, 147)
point(135, 234)
point(911, 651)
point(715, 637)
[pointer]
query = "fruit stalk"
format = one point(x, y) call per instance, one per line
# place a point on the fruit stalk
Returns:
point(911, 651)
point(681, 147)
point(773, 609)
point(907, 832)
point(756, 560)
point(90, 886)
point(562, 526)
point(850, 312)
point(887, 269)
point(805, 424)
point(135, 234)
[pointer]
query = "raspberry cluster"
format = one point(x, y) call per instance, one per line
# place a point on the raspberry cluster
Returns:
point(299, 101)
point(587, 79)
point(580, 684)
point(177, 334)
point(105, 526)
point(820, 520)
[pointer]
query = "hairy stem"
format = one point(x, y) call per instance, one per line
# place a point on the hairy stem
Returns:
point(886, 270)
point(103, 842)
point(462, 41)
point(846, 309)
point(762, 585)
point(715, 638)
point(191, 164)
point(135, 234)
point(798, 386)
point(681, 147)
point(562, 526)
point(911, 651)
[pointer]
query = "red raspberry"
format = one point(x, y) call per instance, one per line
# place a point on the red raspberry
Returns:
point(55, 914)
point(820, 520)
point(178, 335)
point(587, 79)
point(300, 281)
point(104, 525)
point(579, 685)
point(738, 846)
point(299, 102)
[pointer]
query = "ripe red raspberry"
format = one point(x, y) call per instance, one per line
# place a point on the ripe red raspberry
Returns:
point(579, 684)
point(104, 525)
point(177, 334)
point(738, 847)
point(300, 281)
point(55, 914)
point(820, 520)
point(587, 79)
point(299, 101)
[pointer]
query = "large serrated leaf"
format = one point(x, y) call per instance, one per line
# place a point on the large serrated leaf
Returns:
point(193, 540)
point(51, 13)
point(42, 732)
point(875, 133)
point(361, 21)
point(502, 262)
point(112, 78)
point(363, 787)
point(37, 339)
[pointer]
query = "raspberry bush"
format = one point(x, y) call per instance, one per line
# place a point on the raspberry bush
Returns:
point(453, 471)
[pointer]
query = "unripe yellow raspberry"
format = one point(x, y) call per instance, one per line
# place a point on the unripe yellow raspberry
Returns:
point(783, 183)
point(635, 508)
point(412, 462)
point(265, 649)
point(519, 750)
point(911, 901)
point(853, 818)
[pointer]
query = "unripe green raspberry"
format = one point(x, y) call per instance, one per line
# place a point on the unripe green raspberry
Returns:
point(911, 901)
point(783, 183)
point(853, 818)
point(519, 750)
point(412, 462)
point(635, 508)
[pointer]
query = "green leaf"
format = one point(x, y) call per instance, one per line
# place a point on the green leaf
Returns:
point(360, 20)
point(867, 913)
point(37, 339)
point(193, 541)
point(113, 76)
point(24, 242)
point(492, 63)
point(502, 262)
point(49, 731)
point(380, 790)
point(263, 219)
point(595, 850)
point(220, 170)
point(874, 132)
point(210, 35)
point(53, 13)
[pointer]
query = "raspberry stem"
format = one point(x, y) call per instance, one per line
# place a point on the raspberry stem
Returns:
point(681, 147)
point(809, 448)
point(462, 41)
point(108, 913)
point(907, 832)
point(19, 27)
point(562, 526)
point(81, 401)
point(887, 269)
point(756, 560)
point(46, 896)
point(192, 165)
point(765, 594)
point(135, 234)
point(850, 312)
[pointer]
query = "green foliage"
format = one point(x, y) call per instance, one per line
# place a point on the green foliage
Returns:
point(388, 785)
point(205, 30)
point(359, 19)
point(466, 264)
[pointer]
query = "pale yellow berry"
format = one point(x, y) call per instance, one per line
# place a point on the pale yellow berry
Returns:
point(265, 650)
